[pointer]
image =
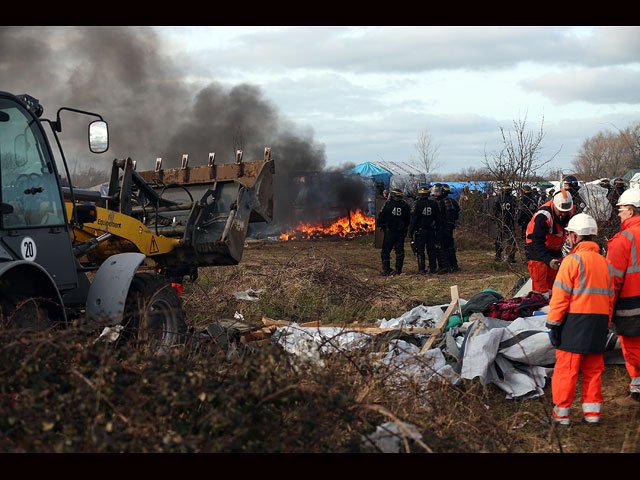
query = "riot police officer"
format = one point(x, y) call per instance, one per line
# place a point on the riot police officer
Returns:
point(503, 210)
point(394, 220)
point(449, 213)
point(570, 184)
point(424, 229)
point(618, 187)
point(527, 206)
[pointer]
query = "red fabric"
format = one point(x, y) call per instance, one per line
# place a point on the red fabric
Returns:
point(178, 287)
point(516, 307)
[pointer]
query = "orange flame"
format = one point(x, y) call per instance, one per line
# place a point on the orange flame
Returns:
point(356, 222)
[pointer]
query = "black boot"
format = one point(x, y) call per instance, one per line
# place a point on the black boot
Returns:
point(386, 267)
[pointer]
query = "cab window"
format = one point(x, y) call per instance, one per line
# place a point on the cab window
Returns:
point(29, 191)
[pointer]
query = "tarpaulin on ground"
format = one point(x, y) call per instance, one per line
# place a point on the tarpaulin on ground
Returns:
point(515, 355)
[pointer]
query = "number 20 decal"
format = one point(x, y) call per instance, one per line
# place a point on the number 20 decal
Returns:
point(28, 249)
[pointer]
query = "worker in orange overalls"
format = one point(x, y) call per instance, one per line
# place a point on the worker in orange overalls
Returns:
point(544, 239)
point(578, 320)
point(623, 255)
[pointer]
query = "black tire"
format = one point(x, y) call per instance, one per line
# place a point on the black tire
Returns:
point(153, 313)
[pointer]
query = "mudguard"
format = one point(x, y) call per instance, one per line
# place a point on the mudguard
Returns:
point(108, 292)
point(36, 279)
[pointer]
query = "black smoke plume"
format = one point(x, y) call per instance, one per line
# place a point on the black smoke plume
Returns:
point(124, 74)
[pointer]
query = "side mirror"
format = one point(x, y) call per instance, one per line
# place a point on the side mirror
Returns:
point(98, 136)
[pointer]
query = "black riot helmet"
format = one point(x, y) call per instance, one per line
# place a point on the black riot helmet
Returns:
point(527, 189)
point(423, 190)
point(396, 193)
point(572, 182)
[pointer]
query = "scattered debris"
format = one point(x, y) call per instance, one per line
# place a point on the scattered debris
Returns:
point(109, 334)
point(250, 295)
point(392, 437)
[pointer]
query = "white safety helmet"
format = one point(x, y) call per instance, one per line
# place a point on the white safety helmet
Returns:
point(562, 200)
point(582, 224)
point(630, 196)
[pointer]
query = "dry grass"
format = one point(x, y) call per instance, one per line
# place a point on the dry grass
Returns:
point(70, 395)
point(338, 281)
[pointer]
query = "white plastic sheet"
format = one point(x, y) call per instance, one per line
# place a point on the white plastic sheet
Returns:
point(411, 364)
point(418, 317)
point(390, 437)
point(516, 356)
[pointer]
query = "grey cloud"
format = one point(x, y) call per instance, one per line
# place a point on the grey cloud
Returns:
point(411, 49)
point(601, 86)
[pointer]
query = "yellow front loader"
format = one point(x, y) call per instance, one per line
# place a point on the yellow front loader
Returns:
point(116, 256)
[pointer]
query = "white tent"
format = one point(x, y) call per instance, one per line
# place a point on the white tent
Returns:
point(404, 175)
point(399, 168)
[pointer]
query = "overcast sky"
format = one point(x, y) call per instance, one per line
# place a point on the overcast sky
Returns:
point(328, 96)
point(367, 93)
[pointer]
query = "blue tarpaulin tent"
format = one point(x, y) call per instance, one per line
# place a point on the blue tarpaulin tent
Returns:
point(368, 169)
point(456, 187)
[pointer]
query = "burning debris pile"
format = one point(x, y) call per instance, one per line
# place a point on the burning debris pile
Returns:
point(321, 204)
point(353, 224)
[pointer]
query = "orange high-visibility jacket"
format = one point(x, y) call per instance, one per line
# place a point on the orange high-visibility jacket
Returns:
point(624, 257)
point(582, 300)
point(545, 235)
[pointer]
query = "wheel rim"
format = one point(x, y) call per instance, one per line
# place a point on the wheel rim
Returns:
point(159, 325)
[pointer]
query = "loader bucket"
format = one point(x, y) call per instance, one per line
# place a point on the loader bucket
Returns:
point(226, 198)
point(180, 217)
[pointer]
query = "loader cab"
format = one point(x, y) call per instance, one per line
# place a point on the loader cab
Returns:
point(33, 223)
point(30, 192)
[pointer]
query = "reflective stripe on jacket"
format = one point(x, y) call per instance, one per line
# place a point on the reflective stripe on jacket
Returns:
point(623, 255)
point(545, 235)
point(582, 300)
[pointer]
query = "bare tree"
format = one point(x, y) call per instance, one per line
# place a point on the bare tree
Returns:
point(631, 137)
point(520, 157)
point(427, 152)
point(515, 164)
point(605, 155)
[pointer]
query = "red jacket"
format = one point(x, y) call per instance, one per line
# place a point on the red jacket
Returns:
point(582, 300)
point(545, 234)
point(623, 255)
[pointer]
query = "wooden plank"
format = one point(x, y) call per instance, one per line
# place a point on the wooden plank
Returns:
point(375, 330)
point(315, 323)
point(270, 322)
point(455, 302)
